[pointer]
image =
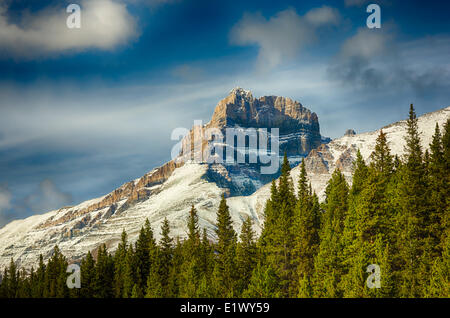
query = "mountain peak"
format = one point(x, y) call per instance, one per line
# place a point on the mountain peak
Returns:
point(239, 91)
point(240, 108)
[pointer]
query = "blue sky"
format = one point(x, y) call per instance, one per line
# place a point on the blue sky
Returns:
point(84, 111)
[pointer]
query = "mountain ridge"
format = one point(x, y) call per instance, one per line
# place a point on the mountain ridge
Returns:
point(170, 190)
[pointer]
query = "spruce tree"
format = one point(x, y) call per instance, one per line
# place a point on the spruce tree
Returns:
point(129, 275)
point(192, 262)
point(104, 274)
point(328, 268)
point(166, 257)
point(438, 192)
point(142, 253)
point(264, 283)
point(119, 265)
point(277, 236)
point(246, 255)
point(225, 269)
point(413, 220)
point(88, 276)
point(306, 226)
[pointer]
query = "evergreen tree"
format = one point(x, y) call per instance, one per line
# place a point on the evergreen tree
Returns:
point(154, 287)
point(382, 160)
point(438, 192)
point(39, 285)
point(205, 289)
point(246, 255)
point(191, 269)
point(166, 257)
point(129, 275)
point(226, 251)
point(136, 292)
point(145, 240)
point(176, 269)
point(413, 220)
point(119, 265)
point(328, 268)
point(56, 276)
point(277, 236)
point(88, 276)
point(264, 283)
point(306, 226)
point(104, 274)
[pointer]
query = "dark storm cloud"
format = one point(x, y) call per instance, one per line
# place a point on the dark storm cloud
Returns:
point(374, 60)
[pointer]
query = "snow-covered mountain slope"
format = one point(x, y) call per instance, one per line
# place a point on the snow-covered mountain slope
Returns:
point(170, 191)
point(321, 162)
point(24, 240)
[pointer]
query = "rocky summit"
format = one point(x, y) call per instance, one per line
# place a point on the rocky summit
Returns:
point(297, 125)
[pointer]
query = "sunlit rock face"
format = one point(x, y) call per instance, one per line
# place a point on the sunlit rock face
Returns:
point(298, 127)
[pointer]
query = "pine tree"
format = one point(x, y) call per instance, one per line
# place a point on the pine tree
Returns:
point(328, 268)
point(246, 255)
point(277, 239)
point(226, 251)
point(176, 269)
point(136, 292)
point(264, 283)
point(12, 280)
point(438, 191)
point(382, 160)
point(56, 276)
point(306, 226)
point(104, 274)
point(87, 272)
point(205, 289)
point(145, 240)
point(119, 266)
point(191, 269)
point(368, 224)
point(413, 220)
point(129, 275)
point(154, 287)
point(38, 288)
point(166, 257)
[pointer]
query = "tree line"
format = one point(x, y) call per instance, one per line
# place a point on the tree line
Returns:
point(394, 215)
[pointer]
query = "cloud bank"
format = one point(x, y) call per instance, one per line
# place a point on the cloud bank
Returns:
point(282, 36)
point(376, 60)
point(47, 197)
point(105, 24)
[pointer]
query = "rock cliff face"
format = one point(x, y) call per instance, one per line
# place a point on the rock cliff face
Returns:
point(241, 109)
point(299, 133)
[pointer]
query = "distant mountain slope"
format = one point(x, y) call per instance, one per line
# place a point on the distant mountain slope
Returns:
point(341, 152)
point(170, 190)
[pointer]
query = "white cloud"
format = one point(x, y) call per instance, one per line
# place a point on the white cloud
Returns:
point(376, 59)
point(323, 16)
point(366, 43)
point(48, 197)
point(105, 24)
point(282, 36)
